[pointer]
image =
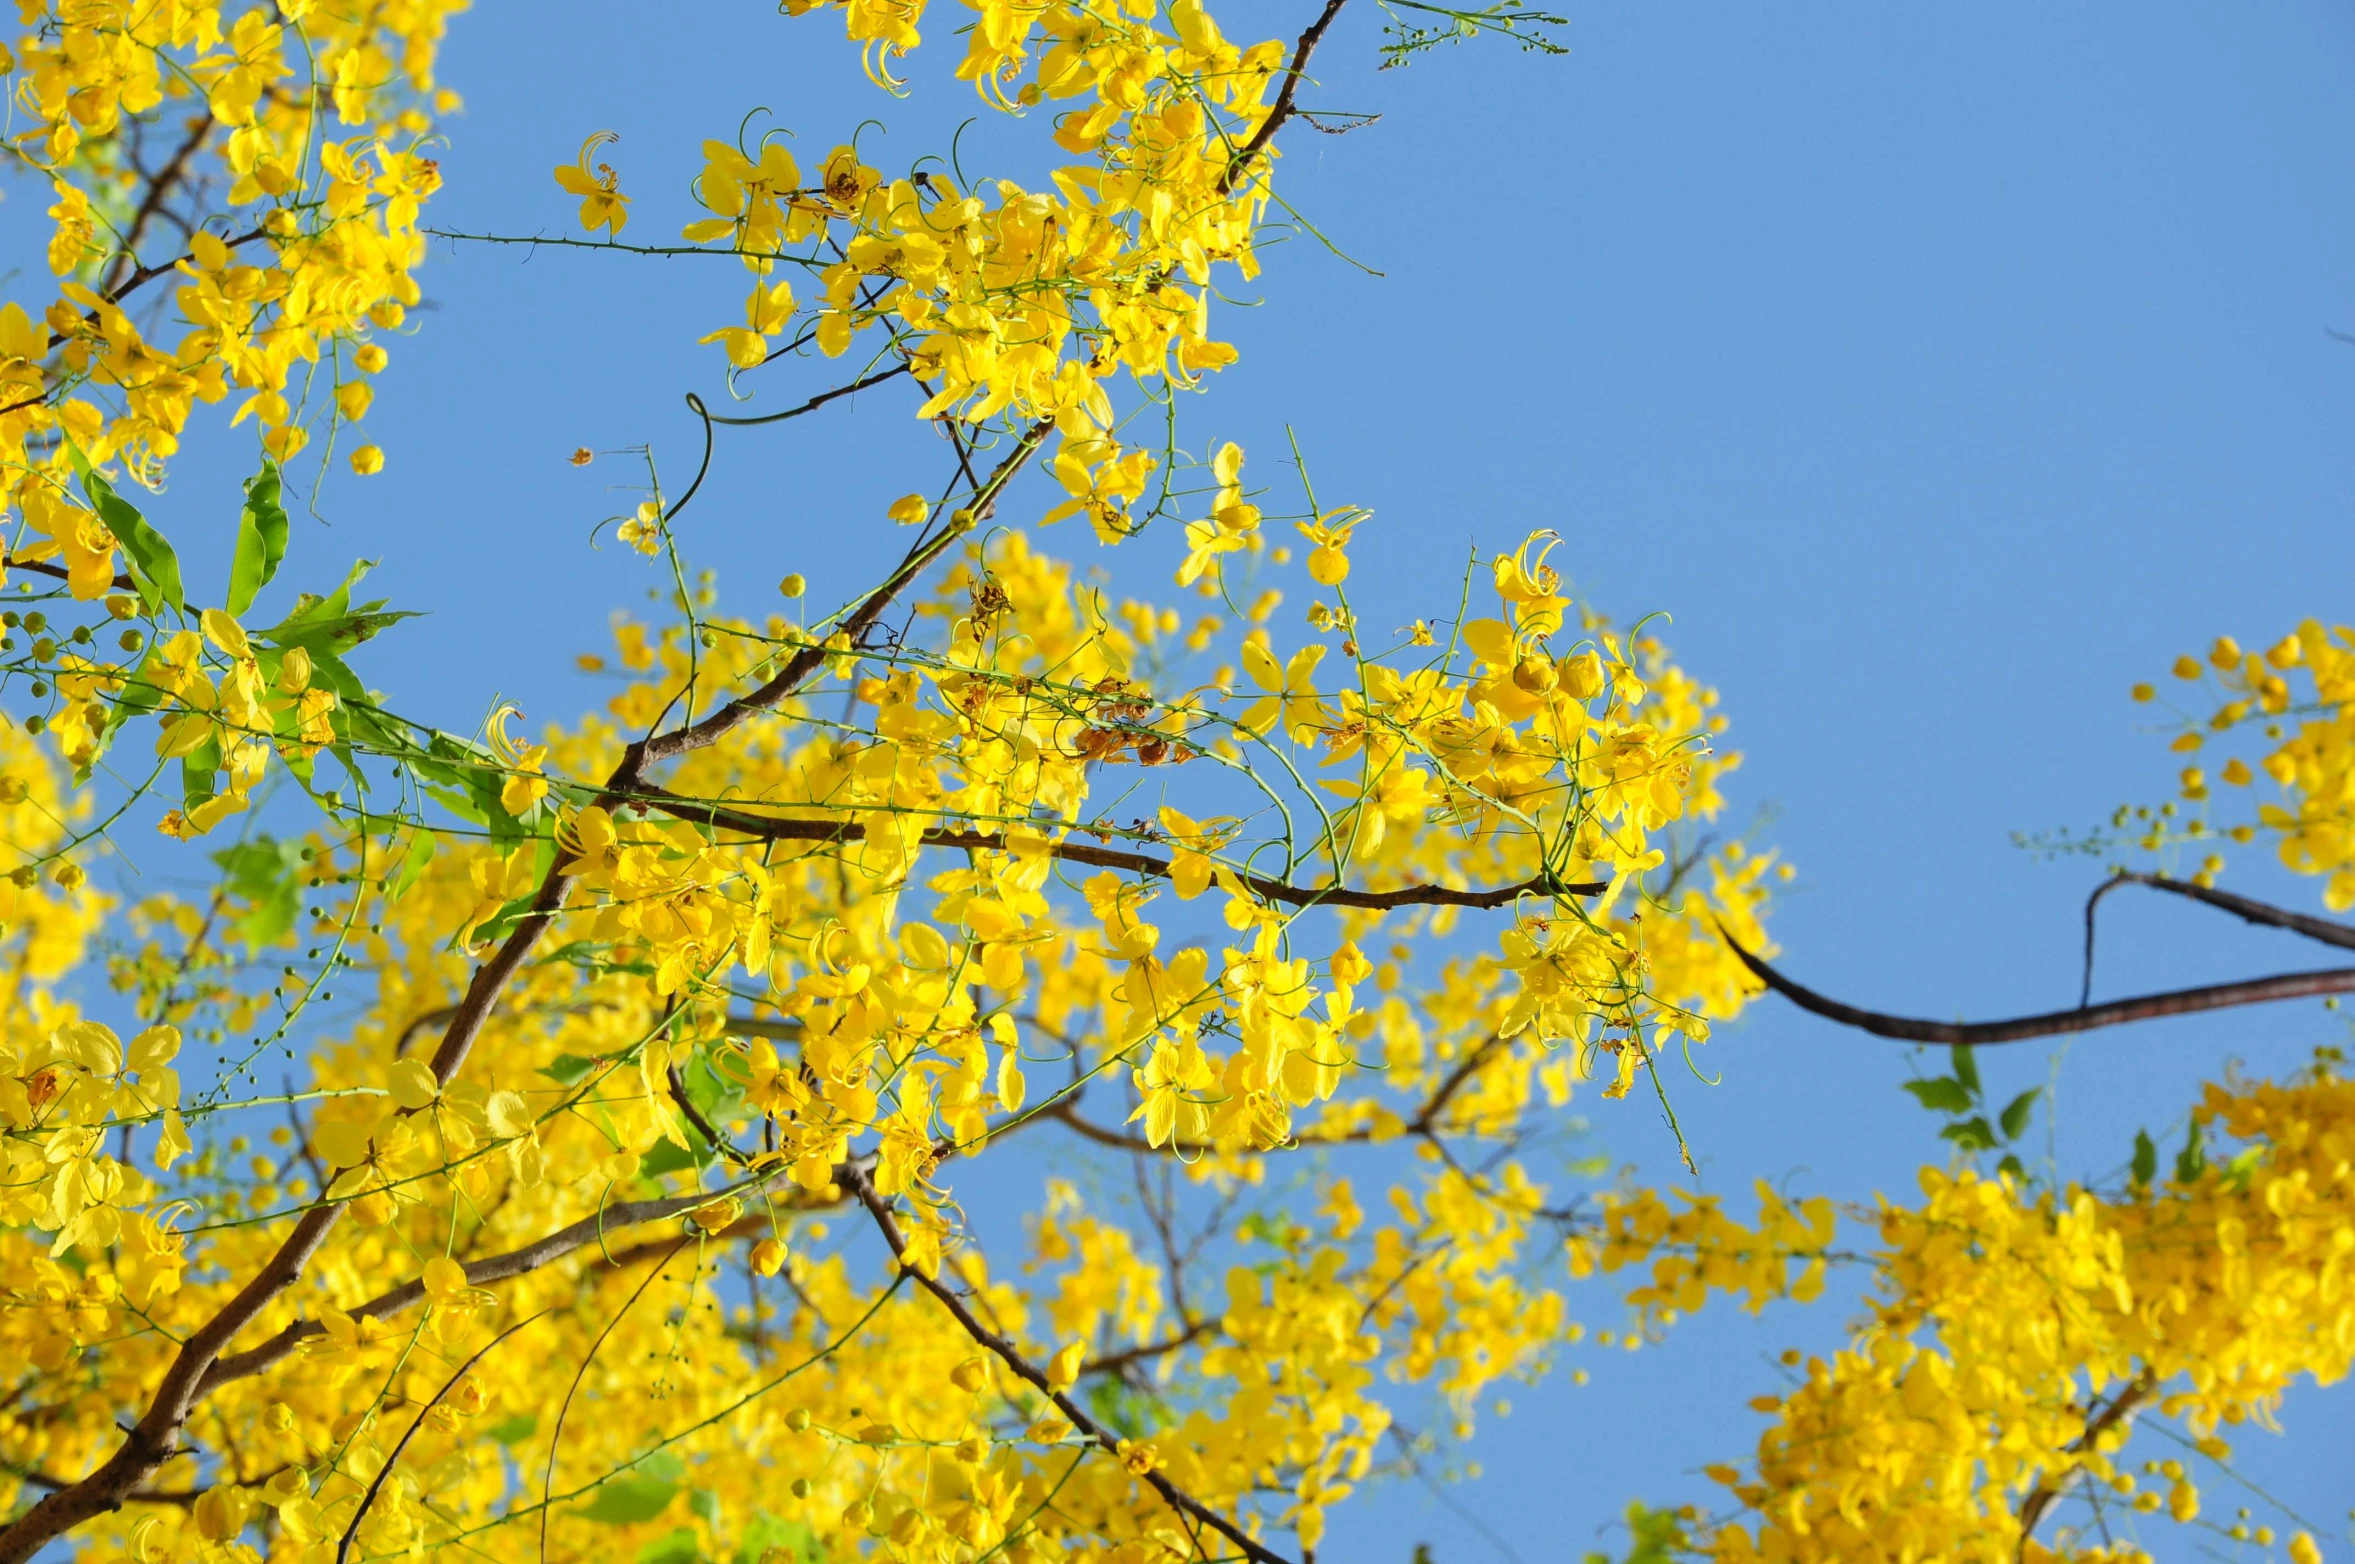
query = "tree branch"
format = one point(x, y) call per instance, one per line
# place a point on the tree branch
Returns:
point(770, 829)
point(159, 190)
point(42, 567)
point(1283, 108)
point(48, 1484)
point(1113, 1362)
point(2176, 1002)
point(2245, 908)
point(1177, 1498)
point(2041, 1497)
point(803, 664)
point(481, 1273)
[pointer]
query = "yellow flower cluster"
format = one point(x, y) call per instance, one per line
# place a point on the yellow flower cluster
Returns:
point(1002, 299)
point(300, 126)
point(2286, 715)
point(544, 1253)
point(803, 977)
point(2017, 1337)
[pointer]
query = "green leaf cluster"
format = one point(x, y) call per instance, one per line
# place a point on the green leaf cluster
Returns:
point(1961, 1099)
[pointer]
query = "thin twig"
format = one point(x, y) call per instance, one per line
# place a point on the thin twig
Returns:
point(343, 1548)
point(1177, 1498)
point(2042, 1496)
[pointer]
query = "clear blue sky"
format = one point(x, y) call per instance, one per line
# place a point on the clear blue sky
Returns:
point(1941, 369)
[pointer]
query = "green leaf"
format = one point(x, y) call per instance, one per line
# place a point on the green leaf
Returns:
point(2012, 1165)
point(1120, 1406)
point(2192, 1160)
point(1657, 1537)
point(331, 624)
point(1973, 1134)
point(261, 539)
point(704, 1505)
point(1966, 1069)
point(668, 1156)
point(413, 862)
point(2015, 1115)
point(1940, 1094)
point(792, 1540)
point(197, 769)
point(638, 1494)
point(263, 872)
point(569, 1069)
point(154, 566)
point(677, 1548)
point(715, 1096)
point(2146, 1159)
point(514, 1430)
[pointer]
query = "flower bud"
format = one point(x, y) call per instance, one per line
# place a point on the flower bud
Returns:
point(1535, 673)
point(1582, 675)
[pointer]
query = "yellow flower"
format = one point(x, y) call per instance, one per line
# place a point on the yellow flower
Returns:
point(1063, 1368)
point(766, 310)
point(643, 528)
point(602, 203)
point(1205, 541)
point(1287, 694)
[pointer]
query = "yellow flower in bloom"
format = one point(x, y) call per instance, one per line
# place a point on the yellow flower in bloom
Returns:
point(602, 203)
point(1327, 564)
point(524, 784)
point(1287, 693)
point(766, 310)
point(642, 528)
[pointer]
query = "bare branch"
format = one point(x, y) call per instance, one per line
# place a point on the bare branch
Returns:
point(48, 1484)
point(2246, 908)
point(810, 406)
point(1113, 1362)
point(2176, 1002)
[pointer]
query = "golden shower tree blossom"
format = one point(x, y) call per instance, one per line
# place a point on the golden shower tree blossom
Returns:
point(622, 1205)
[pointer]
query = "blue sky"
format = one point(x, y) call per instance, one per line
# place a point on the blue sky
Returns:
point(1941, 371)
